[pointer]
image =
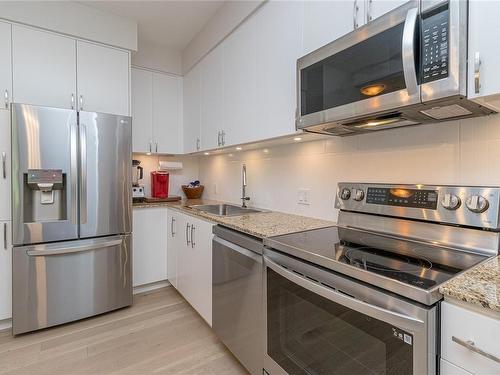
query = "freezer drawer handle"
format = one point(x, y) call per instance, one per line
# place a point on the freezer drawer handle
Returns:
point(78, 249)
point(469, 344)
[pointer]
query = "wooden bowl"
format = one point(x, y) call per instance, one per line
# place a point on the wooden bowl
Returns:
point(193, 192)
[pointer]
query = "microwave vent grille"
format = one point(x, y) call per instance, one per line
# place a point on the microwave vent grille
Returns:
point(449, 111)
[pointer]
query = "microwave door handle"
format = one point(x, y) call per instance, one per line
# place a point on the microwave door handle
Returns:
point(408, 51)
point(406, 322)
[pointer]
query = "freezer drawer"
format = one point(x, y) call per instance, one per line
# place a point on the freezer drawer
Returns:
point(66, 281)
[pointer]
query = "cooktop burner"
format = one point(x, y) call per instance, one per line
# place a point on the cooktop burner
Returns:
point(345, 250)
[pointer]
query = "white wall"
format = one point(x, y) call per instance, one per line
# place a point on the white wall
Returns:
point(228, 17)
point(73, 19)
point(157, 58)
point(459, 152)
point(176, 179)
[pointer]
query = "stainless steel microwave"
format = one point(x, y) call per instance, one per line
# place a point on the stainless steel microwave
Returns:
point(405, 68)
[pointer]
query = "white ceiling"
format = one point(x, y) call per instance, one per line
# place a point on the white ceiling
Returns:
point(171, 24)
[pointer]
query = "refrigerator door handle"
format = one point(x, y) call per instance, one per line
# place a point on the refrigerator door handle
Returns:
point(74, 173)
point(83, 174)
point(71, 250)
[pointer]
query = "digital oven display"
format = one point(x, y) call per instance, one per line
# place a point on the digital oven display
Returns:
point(402, 197)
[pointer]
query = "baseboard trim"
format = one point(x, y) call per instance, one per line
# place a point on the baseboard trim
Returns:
point(149, 287)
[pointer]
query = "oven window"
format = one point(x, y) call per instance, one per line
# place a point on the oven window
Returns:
point(309, 334)
point(367, 69)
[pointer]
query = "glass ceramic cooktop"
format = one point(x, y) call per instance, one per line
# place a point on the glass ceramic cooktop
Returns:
point(415, 263)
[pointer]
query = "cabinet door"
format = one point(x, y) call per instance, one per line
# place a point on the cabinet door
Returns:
point(240, 83)
point(212, 89)
point(377, 8)
point(191, 105)
point(5, 65)
point(325, 21)
point(142, 110)
point(44, 68)
point(149, 245)
point(5, 271)
point(173, 242)
point(448, 368)
point(483, 22)
point(167, 113)
point(103, 79)
point(278, 48)
point(5, 165)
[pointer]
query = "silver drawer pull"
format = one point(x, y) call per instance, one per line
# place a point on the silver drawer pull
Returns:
point(469, 344)
point(192, 236)
point(188, 227)
point(6, 96)
point(477, 73)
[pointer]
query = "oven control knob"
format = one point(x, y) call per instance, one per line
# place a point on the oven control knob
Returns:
point(450, 202)
point(345, 194)
point(477, 203)
point(358, 195)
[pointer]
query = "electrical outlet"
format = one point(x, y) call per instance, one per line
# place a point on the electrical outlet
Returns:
point(304, 196)
point(215, 189)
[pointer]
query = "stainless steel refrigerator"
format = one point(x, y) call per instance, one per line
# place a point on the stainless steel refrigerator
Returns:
point(71, 215)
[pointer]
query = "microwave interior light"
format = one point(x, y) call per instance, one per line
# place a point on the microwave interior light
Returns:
point(372, 90)
point(380, 122)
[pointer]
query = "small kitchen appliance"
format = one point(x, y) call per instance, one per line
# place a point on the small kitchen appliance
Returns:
point(138, 193)
point(159, 184)
point(369, 286)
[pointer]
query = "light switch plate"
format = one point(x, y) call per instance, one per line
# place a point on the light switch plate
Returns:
point(304, 196)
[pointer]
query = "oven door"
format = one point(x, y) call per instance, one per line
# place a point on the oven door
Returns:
point(370, 70)
point(319, 322)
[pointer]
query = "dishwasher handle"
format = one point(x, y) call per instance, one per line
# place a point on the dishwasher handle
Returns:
point(241, 250)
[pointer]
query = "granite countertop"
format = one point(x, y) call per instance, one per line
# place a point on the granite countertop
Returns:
point(258, 224)
point(478, 286)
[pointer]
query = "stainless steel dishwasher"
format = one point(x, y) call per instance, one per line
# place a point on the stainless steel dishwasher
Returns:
point(237, 296)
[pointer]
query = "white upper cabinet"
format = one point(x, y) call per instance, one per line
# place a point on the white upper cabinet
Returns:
point(212, 89)
point(325, 21)
point(44, 68)
point(142, 110)
point(192, 109)
point(484, 58)
point(240, 114)
point(377, 8)
point(279, 45)
point(5, 65)
point(103, 79)
point(5, 165)
point(167, 113)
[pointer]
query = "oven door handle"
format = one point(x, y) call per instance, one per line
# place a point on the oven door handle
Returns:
point(408, 51)
point(407, 322)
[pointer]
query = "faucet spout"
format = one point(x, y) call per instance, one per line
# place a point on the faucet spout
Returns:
point(244, 197)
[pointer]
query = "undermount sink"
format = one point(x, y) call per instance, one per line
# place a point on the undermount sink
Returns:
point(224, 209)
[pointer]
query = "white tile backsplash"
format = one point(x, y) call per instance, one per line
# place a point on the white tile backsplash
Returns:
point(455, 152)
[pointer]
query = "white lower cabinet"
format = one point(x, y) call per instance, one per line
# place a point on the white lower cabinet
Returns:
point(149, 245)
point(5, 165)
point(190, 246)
point(468, 340)
point(5, 271)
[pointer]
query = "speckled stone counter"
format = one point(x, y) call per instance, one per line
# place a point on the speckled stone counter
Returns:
point(478, 286)
point(258, 224)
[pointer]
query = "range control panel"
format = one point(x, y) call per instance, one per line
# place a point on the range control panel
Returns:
point(476, 206)
point(435, 44)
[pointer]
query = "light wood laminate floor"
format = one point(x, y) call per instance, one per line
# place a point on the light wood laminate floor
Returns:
point(159, 334)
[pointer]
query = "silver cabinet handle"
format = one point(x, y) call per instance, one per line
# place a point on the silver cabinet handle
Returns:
point(477, 72)
point(4, 165)
point(150, 146)
point(187, 234)
point(369, 11)
point(408, 48)
point(6, 96)
point(5, 236)
point(469, 344)
point(355, 15)
point(81, 103)
point(223, 135)
point(72, 101)
point(197, 143)
point(156, 146)
point(172, 222)
point(192, 235)
point(218, 138)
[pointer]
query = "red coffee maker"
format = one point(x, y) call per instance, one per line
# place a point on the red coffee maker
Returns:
point(159, 184)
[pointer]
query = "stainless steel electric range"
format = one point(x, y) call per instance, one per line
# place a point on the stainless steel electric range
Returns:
point(363, 297)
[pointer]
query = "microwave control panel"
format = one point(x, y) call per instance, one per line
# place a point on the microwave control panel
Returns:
point(435, 44)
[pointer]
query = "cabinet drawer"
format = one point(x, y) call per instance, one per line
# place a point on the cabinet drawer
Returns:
point(459, 326)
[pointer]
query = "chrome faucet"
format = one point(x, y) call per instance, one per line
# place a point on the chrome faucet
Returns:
point(244, 197)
